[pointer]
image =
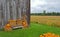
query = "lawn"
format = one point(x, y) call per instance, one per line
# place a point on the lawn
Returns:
point(34, 30)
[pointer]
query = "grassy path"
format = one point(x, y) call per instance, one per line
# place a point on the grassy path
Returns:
point(33, 31)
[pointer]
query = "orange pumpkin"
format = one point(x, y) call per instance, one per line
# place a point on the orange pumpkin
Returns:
point(7, 27)
point(24, 23)
point(49, 35)
point(41, 36)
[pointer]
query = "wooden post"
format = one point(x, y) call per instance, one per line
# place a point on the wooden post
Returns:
point(0, 15)
point(28, 11)
point(13, 9)
point(4, 12)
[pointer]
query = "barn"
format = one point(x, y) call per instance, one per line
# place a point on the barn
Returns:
point(14, 13)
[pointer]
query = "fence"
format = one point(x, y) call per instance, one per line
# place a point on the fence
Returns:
point(13, 9)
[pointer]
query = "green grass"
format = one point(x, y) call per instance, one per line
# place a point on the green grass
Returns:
point(34, 30)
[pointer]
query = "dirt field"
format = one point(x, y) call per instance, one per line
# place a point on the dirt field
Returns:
point(49, 20)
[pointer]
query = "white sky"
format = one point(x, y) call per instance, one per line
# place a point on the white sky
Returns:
point(35, 3)
point(48, 5)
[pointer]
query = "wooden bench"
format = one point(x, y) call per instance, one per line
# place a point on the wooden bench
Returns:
point(17, 27)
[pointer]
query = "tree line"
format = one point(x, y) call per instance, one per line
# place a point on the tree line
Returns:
point(48, 13)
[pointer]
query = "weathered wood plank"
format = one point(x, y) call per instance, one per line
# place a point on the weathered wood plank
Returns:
point(14, 9)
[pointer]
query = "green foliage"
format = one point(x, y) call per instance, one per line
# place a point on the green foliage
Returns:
point(48, 13)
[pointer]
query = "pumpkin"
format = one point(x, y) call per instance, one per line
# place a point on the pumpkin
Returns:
point(49, 35)
point(7, 27)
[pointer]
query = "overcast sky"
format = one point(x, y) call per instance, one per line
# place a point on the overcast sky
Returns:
point(48, 5)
